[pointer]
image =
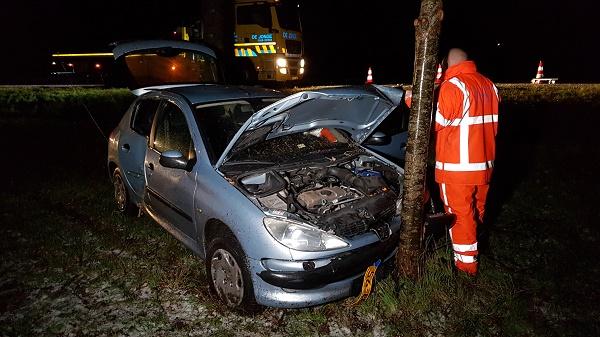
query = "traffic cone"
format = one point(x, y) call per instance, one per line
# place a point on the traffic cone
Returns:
point(540, 71)
point(438, 76)
point(369, 76)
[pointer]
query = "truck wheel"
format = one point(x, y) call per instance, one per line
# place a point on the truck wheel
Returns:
point(228, 273)
point(250, 77)
point(121, 195)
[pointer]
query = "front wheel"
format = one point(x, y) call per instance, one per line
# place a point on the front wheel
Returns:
point(228, 273)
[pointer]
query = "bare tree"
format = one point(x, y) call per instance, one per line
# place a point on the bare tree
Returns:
point(427, 29)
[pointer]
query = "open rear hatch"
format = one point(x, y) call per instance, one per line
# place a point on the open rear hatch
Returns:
point(142, 65)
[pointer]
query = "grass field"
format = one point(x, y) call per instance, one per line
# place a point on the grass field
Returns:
point(71, 266)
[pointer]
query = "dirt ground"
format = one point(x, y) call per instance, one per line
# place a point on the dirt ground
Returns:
point(71, 266)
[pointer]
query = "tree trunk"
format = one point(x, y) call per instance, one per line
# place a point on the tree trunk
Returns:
point(427, 29)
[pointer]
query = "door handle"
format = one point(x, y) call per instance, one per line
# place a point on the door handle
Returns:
point(151, 166)
point(125, 147)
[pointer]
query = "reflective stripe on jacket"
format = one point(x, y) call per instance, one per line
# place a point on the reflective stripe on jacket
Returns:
point(466, 123)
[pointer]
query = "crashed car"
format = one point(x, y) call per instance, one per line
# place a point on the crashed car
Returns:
point(276, 195)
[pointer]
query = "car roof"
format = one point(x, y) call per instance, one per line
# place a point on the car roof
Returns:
point(208, 93)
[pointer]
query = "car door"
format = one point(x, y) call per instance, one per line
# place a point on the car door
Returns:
point(134, 141)
point(169, 191)
point(390, 137)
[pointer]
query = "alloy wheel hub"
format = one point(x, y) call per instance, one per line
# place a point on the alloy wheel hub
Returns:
point(227, 277)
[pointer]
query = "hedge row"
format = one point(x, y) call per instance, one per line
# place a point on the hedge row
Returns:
point(588, 94)
point(62, 102)
point(70, 102)
point(532, 94)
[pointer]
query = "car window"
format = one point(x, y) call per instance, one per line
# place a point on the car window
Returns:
point(219, 122)
point(169, 66)
point(395, 123)
point(172, 132)
point(143, 115)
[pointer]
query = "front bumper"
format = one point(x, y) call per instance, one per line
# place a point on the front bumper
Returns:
point(340, 278)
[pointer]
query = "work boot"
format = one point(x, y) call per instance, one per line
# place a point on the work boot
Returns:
point(467, 268)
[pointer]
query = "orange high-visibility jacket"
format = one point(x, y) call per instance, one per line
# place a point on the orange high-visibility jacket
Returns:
point(466, 123)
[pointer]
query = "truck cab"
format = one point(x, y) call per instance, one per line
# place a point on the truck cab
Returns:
point(269, 34)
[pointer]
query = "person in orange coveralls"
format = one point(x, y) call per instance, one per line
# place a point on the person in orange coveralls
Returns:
point(466, 123)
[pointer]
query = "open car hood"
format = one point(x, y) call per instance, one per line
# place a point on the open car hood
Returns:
point(356, 110)
point(143, 65)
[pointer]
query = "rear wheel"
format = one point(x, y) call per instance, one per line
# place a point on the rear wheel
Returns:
point(228, 273)
point(121, 195)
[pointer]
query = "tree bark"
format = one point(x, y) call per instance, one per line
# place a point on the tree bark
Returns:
point(409, 259)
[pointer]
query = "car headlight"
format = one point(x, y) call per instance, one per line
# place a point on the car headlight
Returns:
point(301, 236)
point(302, 63)
point(281, 62)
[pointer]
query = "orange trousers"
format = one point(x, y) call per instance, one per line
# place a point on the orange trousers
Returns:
point(467, 203)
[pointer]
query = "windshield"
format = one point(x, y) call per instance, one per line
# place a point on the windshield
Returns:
point(313, 144)
point(287, 15)
point(171, 66)
point(254, 15)
point(219, 122)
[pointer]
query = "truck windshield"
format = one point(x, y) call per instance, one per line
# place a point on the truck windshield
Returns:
point(287, 15)
point(254, 15)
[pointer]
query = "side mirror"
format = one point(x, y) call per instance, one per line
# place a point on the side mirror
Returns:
point(378, 138)
point(173, 159)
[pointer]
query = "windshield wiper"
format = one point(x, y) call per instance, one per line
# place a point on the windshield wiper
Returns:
point(248, 162)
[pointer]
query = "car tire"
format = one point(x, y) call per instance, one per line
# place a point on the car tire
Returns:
point(121, 195)
point(228, 273)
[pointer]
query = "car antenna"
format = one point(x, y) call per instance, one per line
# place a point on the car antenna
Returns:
point(94, 120)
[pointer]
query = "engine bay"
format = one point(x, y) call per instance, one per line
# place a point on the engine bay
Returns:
point(347, 198)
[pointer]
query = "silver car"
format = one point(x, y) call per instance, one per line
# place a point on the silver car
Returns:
point(275, 194)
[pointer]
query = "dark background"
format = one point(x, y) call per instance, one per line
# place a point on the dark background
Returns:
point(342, 38)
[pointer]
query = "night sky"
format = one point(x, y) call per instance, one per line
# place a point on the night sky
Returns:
point(342, 38)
